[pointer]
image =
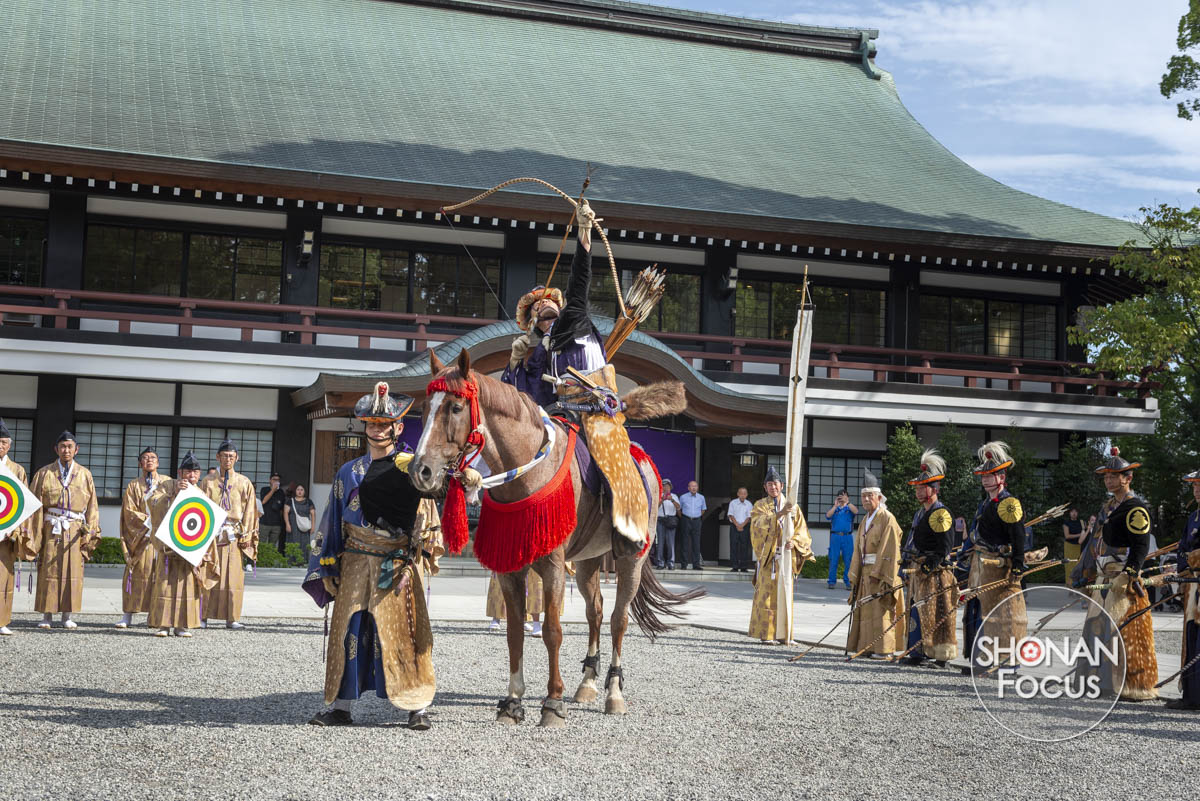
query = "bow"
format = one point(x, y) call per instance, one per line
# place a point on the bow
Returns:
point(612, 262)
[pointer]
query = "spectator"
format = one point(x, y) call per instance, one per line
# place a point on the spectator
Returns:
point(212, 473)
point(692, 507)
point(739, 532)
point(960, 531)
point(1072, 541)
point(841, 537)
point(270, 522)
point(668, 522)
point(298, 517)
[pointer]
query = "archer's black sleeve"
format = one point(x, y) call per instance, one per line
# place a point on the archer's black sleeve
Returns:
point(1016, 537)
point(574, 321)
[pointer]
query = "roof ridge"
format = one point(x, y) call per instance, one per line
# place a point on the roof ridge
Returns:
point(854, 44)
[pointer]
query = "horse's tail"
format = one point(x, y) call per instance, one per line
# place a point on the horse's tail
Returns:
point(653, 599)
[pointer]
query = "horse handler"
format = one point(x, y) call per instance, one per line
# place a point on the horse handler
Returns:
point(375, 542)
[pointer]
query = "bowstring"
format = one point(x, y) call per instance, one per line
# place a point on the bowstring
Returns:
point(478, 269)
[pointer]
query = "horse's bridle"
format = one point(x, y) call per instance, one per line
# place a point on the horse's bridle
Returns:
point(472, 448)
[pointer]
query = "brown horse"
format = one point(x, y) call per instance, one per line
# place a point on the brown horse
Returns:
point(513, 433)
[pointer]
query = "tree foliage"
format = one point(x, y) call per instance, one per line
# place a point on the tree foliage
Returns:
point(961, 491)
point(1157, 333)
point(1183, 71)
point(901, 461)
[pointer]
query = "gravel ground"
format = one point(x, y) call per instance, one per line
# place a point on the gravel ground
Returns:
point(103, 714)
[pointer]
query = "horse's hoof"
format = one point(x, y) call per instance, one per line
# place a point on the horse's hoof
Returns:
point(585, 695)
point(614, 706)
point(554, 714)
point(509, 711)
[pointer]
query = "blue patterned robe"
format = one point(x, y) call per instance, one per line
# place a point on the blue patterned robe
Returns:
point(1189, 681)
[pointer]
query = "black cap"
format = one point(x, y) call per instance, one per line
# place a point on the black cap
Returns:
point(1115, 463)
point(66, 435)
point(148, 449)
point(4, 432)
point(772, 475)
point(227, 445)
point(189, 462)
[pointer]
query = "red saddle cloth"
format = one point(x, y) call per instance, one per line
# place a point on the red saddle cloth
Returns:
point(512, 535)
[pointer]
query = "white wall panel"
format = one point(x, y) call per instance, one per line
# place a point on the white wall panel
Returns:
point(134, 397)
point(377, 229)
point(24, 199)
point(18, 391)
point(243, 403)
point(850, 435)
point(186, 212)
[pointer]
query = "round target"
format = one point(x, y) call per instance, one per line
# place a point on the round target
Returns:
point(12, 503)
point(191, 524)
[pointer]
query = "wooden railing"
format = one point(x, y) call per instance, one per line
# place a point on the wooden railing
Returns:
point(419, 331)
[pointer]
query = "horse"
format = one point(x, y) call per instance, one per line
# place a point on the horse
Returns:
point(513, 431)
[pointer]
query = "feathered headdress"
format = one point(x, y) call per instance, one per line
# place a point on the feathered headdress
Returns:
point(993, 458)
point(933, 468)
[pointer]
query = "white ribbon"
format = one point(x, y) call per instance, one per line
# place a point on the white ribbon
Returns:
point(61, 519)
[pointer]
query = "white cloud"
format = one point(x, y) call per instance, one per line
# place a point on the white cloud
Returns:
point(1153, 122)
point(1126, 172)
point(1101, 44)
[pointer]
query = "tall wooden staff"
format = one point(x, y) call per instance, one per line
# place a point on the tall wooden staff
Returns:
point(797, 390)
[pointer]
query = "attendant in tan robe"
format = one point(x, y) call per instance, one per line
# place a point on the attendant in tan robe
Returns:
point(878, 626)
point(779, 561)
point(63, 533)
point(137, 533)
point(12, 546)
point(177, 587)
point(534, 603)
point(238, 537)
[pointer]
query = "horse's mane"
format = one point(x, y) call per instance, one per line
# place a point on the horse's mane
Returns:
point(499, 398)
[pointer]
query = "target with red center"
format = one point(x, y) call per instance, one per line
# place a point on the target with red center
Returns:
point(17, 503)
point(191, 524)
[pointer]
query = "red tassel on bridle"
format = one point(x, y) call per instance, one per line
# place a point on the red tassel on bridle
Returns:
point(455, 529)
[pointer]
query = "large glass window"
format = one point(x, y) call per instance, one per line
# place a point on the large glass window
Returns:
point(355, 277)
point(767, 310)
point(146, 261)
point(992, 327)
point(829, 474)
point(101, 446)
point(21, 249)
point(450, 284)
point(21, 450)
point(110, 451)
point(140, 261)
point(234, 268)
point(255, 449)
point(678, 310)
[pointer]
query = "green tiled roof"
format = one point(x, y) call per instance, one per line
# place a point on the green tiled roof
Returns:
point(435, 95)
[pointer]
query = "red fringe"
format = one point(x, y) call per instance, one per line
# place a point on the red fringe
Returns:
point(455, 531)
point(513, 535)
point(641, 457)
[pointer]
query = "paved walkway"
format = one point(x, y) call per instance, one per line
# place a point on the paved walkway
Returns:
point(458, 594)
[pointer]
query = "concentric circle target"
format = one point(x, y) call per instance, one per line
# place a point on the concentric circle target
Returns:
point(191, 524)
point(12, 503)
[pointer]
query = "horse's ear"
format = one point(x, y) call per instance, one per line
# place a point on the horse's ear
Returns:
point(464, 363)
point(435, 364)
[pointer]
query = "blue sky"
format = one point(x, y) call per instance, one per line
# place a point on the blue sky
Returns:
point(1054, 97)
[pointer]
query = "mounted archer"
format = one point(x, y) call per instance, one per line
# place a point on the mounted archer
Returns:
point(559, 332)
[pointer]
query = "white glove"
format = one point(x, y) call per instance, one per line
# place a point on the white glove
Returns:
point(585, 218)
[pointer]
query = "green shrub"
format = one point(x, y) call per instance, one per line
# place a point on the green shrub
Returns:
point(108, 552)
point(269, 556)
point(294, 554)
point(816, 568)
